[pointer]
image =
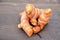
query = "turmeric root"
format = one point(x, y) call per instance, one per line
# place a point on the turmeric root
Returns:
point(44, 17)
point(37, 17)
point(31, 13)
point(25, 24)
point(36, 28)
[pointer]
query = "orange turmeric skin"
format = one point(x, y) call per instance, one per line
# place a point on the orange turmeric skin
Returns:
point(44, 17)
point(25, 24)
point(36, 28)
point(32, 13)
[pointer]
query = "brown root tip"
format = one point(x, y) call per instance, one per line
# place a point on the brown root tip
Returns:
point(19, 26)
point(47, 11)
point(30, 32)
point(29, 8)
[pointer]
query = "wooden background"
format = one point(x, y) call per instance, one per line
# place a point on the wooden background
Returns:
point(9, 18)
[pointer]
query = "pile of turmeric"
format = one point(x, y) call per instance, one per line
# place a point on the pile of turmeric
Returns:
point(33, 20)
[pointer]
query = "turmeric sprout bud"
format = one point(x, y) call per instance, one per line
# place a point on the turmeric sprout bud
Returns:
point(47, 11)
point(29, 8)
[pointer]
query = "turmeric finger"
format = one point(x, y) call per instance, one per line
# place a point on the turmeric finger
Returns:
point(28, 30)
point(44, 17)
point(36, 29)
point(34, 18)
point(25, 24)
point(33, 22)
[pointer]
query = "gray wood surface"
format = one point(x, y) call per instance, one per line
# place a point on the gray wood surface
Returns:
point(9, 18)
